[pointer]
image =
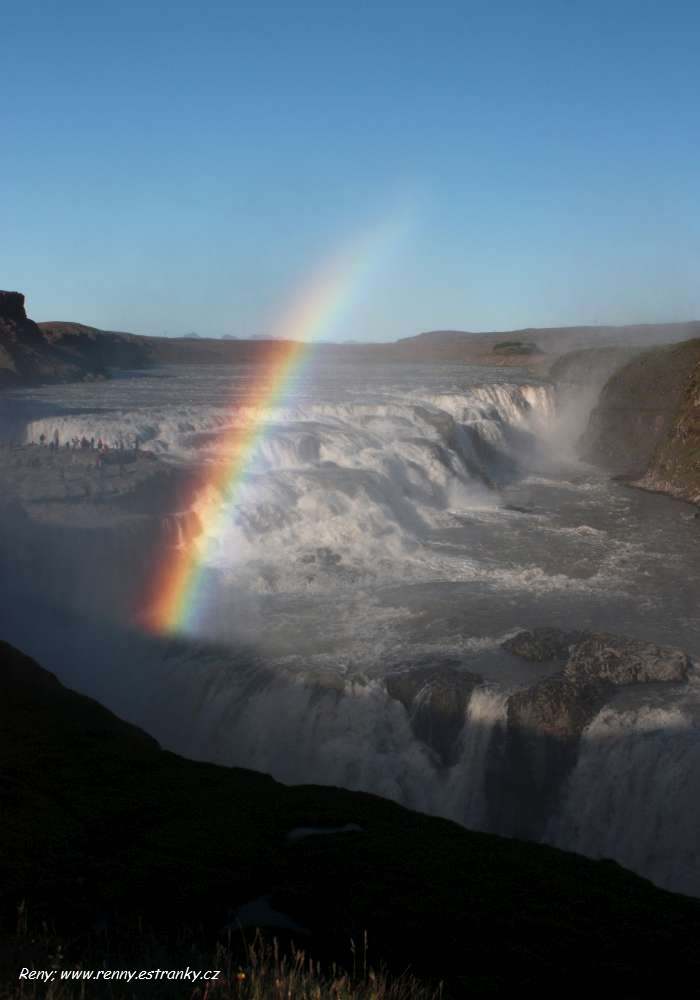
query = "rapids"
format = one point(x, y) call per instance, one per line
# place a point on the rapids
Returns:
point(393, 516)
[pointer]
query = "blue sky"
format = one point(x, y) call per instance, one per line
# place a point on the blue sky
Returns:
point(176, 167)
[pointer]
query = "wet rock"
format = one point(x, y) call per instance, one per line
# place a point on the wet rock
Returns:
point(516, 508)
point(541, 645)
point(436, 697)
point(558, 706)
point(619, 661)
point(546, 720)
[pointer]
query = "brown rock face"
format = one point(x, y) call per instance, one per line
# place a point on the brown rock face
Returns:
point(646, 425)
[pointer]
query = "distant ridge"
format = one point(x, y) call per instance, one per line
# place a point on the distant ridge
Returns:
point(560, 339)
point(68, 350)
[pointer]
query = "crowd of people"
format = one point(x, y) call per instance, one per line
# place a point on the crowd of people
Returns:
point(106, 452)
point(86, 444)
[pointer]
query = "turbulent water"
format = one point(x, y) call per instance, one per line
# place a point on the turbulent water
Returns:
point(394, 516)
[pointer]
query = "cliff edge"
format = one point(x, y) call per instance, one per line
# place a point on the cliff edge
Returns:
point(646, 426)
point(31, 354)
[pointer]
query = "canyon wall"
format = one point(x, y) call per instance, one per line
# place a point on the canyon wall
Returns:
point(646, 426)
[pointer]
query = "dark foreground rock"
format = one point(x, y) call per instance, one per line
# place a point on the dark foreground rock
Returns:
point(545, 721)
point(103, 829)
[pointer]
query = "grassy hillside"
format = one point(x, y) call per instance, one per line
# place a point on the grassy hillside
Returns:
point(102, 828)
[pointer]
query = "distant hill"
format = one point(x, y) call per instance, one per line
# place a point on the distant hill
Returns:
point(549, 340)
point(103, 828)
point(62, 351)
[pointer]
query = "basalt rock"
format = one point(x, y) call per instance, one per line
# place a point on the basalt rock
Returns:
point(619, 661)
point(546, 720)
point(542, 645)
point(436, 697)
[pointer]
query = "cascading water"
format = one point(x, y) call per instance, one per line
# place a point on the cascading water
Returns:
point(633, 792)
point(390, 520)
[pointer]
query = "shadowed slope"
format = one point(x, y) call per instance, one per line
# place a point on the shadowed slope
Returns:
point(99, 823)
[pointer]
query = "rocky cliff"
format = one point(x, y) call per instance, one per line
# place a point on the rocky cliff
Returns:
point(646, 426)
point(30, 353)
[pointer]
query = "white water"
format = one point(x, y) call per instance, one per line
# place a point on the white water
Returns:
point(391, 517)
point(633, 794)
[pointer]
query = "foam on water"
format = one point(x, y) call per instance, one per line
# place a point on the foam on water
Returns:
point(633, 793)
point(396, 515)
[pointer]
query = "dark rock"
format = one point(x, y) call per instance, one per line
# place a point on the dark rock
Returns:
point(619, 661)
point(560, 707)
point(545, 721)
point(12, 306)
point(518, 509)
point(541, 645)
point(436, 697)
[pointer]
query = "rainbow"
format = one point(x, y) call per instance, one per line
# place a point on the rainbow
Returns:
point(176, 590)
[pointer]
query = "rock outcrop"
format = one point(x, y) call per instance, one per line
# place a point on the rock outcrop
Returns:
point(675, 464)
point(619, 661)
point(436, 697)
point(646, 426)
point(29, 353)
point(546, 720)
point(542, 644)
point(562, 705)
